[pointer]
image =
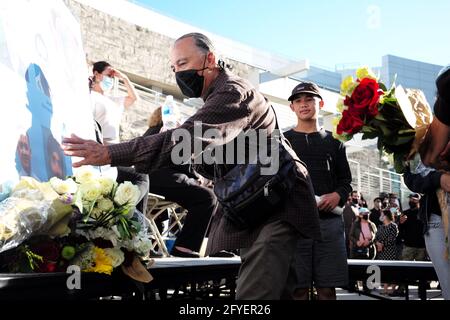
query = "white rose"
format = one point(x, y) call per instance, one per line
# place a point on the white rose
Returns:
point(63, 187)
point(127, 193)
point(84, 175)
point(105, 205)
point(90, 191)
point(106, 185)
point(116, 255)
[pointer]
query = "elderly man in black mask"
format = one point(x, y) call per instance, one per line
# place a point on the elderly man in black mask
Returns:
point(232, 105)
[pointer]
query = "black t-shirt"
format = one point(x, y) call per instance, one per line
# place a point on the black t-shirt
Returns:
point(411, 231)
point(326, 161)
point(375, 217)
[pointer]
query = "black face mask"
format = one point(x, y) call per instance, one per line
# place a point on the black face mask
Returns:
point(190, 83)
point(355, 201)
point(413, 205)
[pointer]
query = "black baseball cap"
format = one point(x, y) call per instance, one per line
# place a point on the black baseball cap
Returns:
point(305, 87)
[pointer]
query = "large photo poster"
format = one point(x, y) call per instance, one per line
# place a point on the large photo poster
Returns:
point(45, 95)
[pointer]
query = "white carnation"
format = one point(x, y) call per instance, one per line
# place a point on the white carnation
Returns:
point(127, 193)
point(100, 232)
point(116, 255)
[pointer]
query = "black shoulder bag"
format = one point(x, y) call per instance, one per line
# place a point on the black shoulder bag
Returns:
point(249, 198)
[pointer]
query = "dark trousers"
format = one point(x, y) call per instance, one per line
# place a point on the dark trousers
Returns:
point(184, 189)
point(140, 180)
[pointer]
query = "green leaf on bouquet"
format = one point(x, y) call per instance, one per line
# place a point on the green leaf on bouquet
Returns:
point(136, 225)
point(121, 231)
point(113, 191)
point(370, 135)
point(89, 210)
point(124, 228)
point(31, 257)
point(399, 162)
point(407, 131)
point(380, 117)
point(382, 86)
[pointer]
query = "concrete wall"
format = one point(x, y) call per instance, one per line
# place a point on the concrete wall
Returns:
point(141, 53)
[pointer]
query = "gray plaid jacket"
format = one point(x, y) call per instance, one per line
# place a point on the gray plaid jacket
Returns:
point(232, 105)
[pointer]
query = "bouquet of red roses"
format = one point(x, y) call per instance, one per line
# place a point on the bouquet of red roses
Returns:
point(399, 118)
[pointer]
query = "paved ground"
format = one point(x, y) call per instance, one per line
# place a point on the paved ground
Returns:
point(432, 294)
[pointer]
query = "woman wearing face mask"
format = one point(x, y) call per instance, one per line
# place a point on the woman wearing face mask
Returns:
point(108, 109)
point(386, 236)
point(362, 235)
point(385, 240)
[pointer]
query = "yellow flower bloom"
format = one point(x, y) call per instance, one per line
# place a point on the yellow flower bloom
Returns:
point(102, 263)
point(347, 86)
point(365, 72)
point(335, 122)
point(340, 107)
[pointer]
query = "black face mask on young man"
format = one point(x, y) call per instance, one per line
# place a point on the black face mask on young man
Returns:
point(413, 205)
point(190, 82)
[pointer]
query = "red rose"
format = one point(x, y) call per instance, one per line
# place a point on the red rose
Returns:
point(364, 99)
point(47, 266)
point(350, 123)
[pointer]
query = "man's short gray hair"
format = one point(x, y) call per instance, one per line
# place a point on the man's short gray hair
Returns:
point(201, 41)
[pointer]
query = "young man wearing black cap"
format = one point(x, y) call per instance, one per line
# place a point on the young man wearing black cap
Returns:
point(323, 262)
point(411, 231)
point(375, 212)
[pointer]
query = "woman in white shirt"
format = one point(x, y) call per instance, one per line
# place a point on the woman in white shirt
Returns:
point(108, 109)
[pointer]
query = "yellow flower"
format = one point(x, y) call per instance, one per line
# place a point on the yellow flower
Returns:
point(335, 122)
point(340, 107)
point(365, 72)
point(347, 86)
point(102, 263)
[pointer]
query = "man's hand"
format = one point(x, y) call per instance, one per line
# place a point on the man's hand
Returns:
point(93, 152)
point(403, 218)
point(328, 201)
